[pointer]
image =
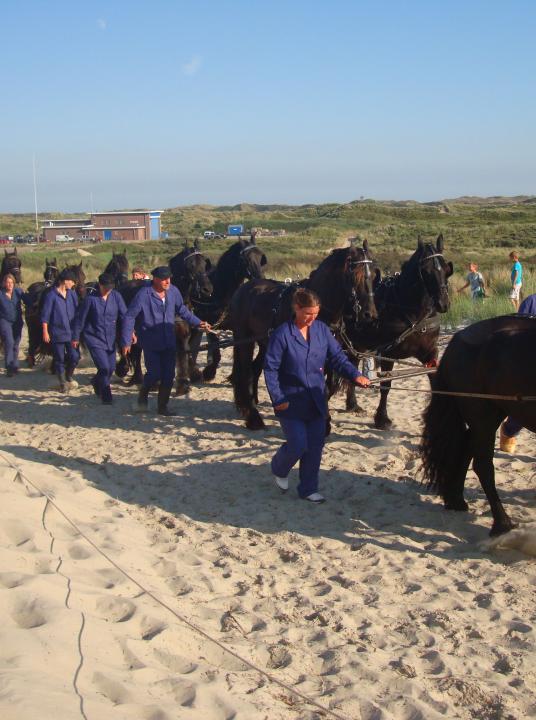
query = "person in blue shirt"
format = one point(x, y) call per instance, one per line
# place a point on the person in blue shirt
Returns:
point(511, 427)
point(152, 314)
point(11, 299)
point(516, 278)
point(97, 321)
point(57, 317)
point(297, 353)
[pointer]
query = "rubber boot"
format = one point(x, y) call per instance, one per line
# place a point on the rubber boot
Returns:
point(106, 395)
point(94, 385)
point(143, 399)
point(506, 443)
point(69, 374)
point(164, 391)
point(63, 387)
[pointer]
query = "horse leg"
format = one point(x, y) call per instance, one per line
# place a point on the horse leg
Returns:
point(213, 357)
point(194, 373)
point(453, 497)
point(258, 365)
point(135, 359)
point(243, 385)
point(483, 435)
point(381, 419)
point(181, 337)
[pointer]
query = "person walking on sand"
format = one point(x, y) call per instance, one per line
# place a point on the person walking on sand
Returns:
point(516, 279)
point(475, 281)
point(294, 372)
point(97, 320)
point(11, 322)
point(57, 317)
point(153, 312)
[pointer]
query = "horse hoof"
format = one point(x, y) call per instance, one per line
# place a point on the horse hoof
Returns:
point(458, 505)
point(208, 375)
point(255, 423)
point(196, 375)
point(501, 528)
point(182, 389)
point(383, 424)
point(31, 361)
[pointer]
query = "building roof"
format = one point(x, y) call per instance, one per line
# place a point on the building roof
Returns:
point(128, 212)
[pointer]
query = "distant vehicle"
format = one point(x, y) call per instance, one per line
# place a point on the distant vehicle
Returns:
point(209, 234)
point(64, 238)
point(4, 240)
point(235, 230)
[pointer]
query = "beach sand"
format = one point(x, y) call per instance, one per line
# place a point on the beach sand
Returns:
point(377, 604)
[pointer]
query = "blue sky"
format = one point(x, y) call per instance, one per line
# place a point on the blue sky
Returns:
point(166, 103)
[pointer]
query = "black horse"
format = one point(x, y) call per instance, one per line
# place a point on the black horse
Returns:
point(11, 263)
point(244, 260)
point(190, 270)
point(408, 307)
point(260, 305)
point(118, 268)
point(491, 357)
point(36, 347)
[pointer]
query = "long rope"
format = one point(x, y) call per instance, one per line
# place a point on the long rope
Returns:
point(192, 626)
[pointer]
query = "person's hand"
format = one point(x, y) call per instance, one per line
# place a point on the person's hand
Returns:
point(362, 381)
point(46, 336)
point(75, 344)
point(134, 338)
point(205, 325)
point(282, 406)
point(125, 350)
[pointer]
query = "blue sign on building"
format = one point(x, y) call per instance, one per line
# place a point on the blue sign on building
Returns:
point(235, 229)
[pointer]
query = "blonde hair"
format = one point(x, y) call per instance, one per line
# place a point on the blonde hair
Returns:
point(8, 276)
point(305, 298)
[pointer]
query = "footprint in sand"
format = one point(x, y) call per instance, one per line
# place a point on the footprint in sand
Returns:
point(115, 609)
point(151, 627)
point(113, 690)
point(165, 568)
point(108, 578)
point(29, 613)
point(153, 712)
point(79, 551)
point(13, 579)
point(175, 663)
point(19, 534)
point(179, 586)
point(183, 693)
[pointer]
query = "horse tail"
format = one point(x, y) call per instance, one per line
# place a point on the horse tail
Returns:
point(443, 438)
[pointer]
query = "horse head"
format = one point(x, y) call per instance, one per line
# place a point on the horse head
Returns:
point(434, 272)
point(190, 273)
point(11, 263)
point(51, 271)
point(118, 267)
point(80, 278)
point(360, 277)
point(251, 258)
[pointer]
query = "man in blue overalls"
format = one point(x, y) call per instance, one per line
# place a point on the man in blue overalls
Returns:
point(57, 316)
point(152, 312)
point(97, 318)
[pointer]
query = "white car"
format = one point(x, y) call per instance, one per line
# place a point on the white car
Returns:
point(209, 234)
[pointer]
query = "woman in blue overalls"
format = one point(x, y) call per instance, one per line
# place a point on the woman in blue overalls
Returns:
point(11, 322)
point(57, 317)
point(294, 372)
point(97, 319)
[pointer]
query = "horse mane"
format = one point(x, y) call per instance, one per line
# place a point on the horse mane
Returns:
point(228, 260)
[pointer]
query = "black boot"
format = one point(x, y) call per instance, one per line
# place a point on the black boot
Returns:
point(61, 377)
point(164, 391)
point(143, 399)
point(69, 374)
point(94, 385)
point(106, 395)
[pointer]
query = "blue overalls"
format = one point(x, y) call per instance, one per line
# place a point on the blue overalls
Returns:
point(11, 326)
point(294, 373)
point(155, 327)
point(59, 313)
point(96, 319)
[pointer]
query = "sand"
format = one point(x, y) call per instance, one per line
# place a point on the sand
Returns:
point(377, 604)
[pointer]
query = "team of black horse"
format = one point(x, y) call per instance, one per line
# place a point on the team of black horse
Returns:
point(395, 317)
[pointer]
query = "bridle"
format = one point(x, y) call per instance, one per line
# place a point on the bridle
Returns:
point(443, 284)
point(352, 266)
point(246, 264)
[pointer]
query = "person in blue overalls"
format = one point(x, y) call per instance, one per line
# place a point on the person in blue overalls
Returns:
point(152, 313)
point(294, 372)
point(512, 427)
point(97, 320)
point(57, 317)
point(11, 322)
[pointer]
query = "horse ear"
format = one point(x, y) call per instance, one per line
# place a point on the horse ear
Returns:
point(365, 245)
point(351, 242)
point(450, 269)
point(420, 243)
point(440, 243)
point(252, 237)
point(377, 278)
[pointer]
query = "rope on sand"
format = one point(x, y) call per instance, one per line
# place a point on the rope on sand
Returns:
point(181, 618)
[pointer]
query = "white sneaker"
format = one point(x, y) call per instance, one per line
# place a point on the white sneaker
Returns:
point(282, 483)
point(315, 498)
